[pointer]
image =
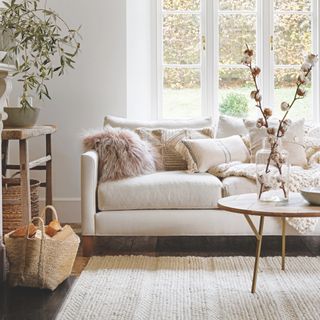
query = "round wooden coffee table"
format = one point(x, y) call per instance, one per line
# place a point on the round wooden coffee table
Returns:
point(248, 204)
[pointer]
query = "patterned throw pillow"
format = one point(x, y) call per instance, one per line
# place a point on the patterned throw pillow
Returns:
point(166, 140)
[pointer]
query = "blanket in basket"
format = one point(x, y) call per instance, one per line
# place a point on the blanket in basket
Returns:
point(299, 178)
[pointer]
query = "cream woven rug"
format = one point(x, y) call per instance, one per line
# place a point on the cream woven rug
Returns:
point(139, 287)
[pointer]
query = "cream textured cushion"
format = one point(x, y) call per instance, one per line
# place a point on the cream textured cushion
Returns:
point(293, 140)
point(166, 140)
point(312, 143)
point(314, 132)
point(233, 186)
point(161, 190)
point(230, 126)
point(168, 124)
point(207, 153)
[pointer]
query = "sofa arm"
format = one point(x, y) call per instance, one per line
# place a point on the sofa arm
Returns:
point(89, 182)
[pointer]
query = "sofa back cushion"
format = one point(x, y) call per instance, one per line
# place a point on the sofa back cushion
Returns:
point(293, 140)
point(166, 140)
point(118, 122)
point(230, 126)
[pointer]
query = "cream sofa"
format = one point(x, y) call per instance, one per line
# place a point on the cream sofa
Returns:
point(167, 203)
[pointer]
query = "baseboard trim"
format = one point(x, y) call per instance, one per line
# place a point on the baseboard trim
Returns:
point(69, 209)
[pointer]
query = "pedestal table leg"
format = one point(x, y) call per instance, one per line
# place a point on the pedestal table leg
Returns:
point(258, 252)
point(283, 247)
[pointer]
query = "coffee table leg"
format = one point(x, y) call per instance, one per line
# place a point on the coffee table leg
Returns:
point(283, 249)
point(258, 252)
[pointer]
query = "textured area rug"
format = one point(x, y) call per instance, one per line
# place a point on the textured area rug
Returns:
point(139, 287)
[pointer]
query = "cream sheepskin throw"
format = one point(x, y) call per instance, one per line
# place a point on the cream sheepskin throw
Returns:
point(122, 153)
point(299, 178)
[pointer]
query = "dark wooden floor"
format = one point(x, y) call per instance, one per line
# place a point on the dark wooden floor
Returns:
point(206, 246)
point(33, 304)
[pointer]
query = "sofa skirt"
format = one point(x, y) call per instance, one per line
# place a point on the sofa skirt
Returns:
point(182, 223)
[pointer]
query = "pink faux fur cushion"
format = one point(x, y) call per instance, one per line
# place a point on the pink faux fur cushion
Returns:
point(122, 153)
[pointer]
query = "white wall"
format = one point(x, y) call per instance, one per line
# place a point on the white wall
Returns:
point(139, 46)
point(81, 98)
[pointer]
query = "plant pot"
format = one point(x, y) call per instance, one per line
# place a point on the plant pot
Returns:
point(21, 118)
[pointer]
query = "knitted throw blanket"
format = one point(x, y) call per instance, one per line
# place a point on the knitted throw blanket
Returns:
point(299, 178)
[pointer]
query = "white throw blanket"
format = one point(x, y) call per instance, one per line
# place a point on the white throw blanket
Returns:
point(299, 178)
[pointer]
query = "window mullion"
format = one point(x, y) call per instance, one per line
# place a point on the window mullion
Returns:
point(215, 59)
point(203, 63)
point(267, 54)
point(159, 60)
point(315, 48)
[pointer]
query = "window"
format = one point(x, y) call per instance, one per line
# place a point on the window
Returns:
point(237, 26)
point(181, 58)
point(200, 48)
point(292, 36)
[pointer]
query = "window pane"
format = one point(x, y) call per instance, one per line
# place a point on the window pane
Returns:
point(292, 38)
point(181, 39)
point(181, 4)
point(235, 85)
point(182, 93)
point(285, 86)
point(235, 36)
point(237, 5)
point(292, 5)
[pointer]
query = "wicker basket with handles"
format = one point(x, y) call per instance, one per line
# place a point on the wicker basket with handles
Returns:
point(40, 262)
point(11, 202)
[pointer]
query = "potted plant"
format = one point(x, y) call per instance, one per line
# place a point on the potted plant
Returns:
point(41, 46)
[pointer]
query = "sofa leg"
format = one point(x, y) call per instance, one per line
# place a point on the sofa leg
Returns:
point(88, 243)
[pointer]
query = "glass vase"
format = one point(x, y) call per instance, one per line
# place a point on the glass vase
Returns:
point(272, 169)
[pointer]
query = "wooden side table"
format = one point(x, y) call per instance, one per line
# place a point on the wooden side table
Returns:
point(44, 163)
point(247, 204)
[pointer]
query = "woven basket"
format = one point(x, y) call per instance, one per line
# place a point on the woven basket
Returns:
point(12, 204)
point(40, 262)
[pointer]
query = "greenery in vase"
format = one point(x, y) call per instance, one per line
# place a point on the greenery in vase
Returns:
point(42, 45)
point(275, 133)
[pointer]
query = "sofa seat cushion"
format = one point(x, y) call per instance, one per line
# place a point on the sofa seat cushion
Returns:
point(233, 186)
point(161, 190)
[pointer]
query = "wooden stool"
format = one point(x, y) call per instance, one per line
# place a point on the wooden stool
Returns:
point(23, 135)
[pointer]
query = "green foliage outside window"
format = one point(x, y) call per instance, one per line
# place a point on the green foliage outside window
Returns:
point(182, 37)
point(234, 104)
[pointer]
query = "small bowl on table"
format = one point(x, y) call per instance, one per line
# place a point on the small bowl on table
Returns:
point(312, 195)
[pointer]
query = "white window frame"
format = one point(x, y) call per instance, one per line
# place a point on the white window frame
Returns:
point(215, 57)
point(316, 49)
point(203, 56)
point(210, 56)
point(270, 61)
